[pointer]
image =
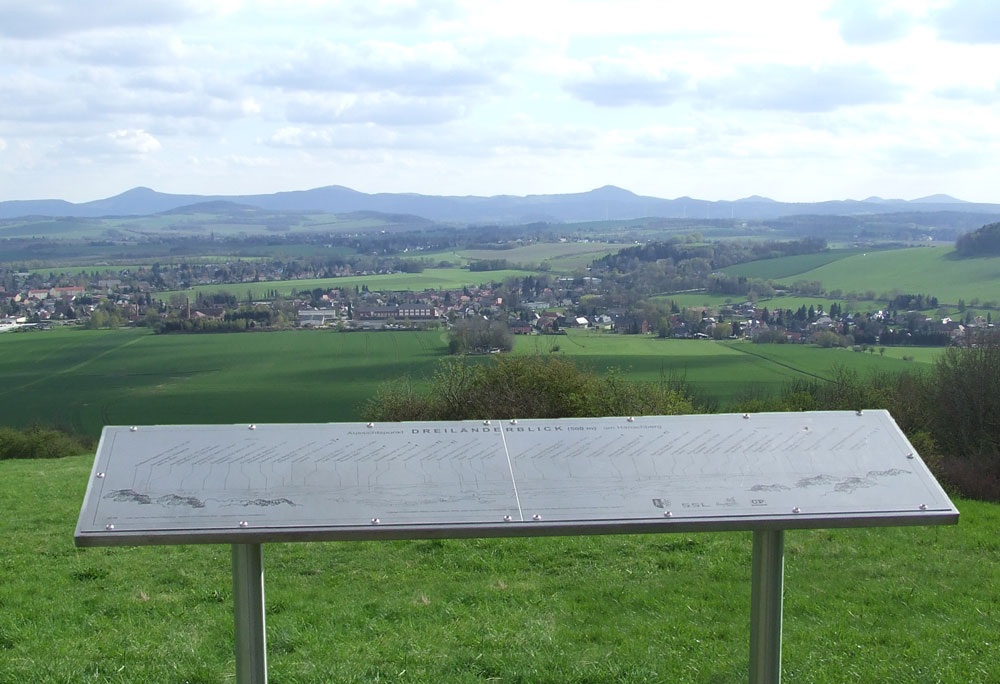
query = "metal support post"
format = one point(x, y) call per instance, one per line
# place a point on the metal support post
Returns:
point(248, 610)
point(767, 580)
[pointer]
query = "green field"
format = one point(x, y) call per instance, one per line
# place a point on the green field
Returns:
point(917, 270)
point(562, 257)
point(793, 302)
point(860, 605)
point(430, 279)
point(786, 267)
point(86, 379)
point(722, 372)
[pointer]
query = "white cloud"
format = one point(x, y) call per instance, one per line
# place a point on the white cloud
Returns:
point(637, 80)
point(123, 142)
point(867, 22)
point(484, 96)
point(617, 81)
point(378, 108)
point(126, 49)
point(341, 137)
point(428, 69)
point(801, 88)
point(406, 14)
point(3, 144)
point(982, 95)
point(967, 21)
point(44, 18)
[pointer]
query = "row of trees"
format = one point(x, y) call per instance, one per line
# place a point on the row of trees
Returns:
point(982, 242)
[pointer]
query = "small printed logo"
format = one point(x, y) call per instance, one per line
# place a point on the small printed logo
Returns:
point(661, 503)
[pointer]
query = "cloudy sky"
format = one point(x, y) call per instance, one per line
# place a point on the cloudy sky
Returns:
point(798, 100)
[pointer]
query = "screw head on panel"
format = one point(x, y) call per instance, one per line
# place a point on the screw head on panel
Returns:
point(746, 416)
point(371, 425)
point(631, 419)
point(375, 521)
point(251, 426)
point(507, 518)
point(134, 428)
point(486, 422)
point(910, 456)
point(244, 523)
point(923, 507)
point(109, 527)
point(860, 412)
point(536, 517)
point(796, 510)
point(100, 476)
point(667, 514)
point(513, 421)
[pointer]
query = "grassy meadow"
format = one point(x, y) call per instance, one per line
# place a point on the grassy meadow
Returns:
point(429, 279)
point(83, 379)
point(917, 270)
point(86, 379)
point(786, 267)
point(562, 257)
point(914, 605)
point(721, 372)
point(695, 300)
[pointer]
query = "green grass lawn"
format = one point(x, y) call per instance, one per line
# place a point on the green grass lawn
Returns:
point(429, 279)
point(863, 605)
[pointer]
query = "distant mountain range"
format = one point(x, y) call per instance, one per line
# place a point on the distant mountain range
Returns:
point(608, 202)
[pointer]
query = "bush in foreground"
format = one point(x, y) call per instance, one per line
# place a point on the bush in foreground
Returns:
point(524, 387)
point(41, 442)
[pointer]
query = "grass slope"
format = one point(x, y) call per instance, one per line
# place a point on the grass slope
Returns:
point(87, 379)
point(877, 605)
point(927, 270)
point(786, 267)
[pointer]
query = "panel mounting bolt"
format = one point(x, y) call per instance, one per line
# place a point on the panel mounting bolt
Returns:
point(100, 475)
point(796, 510)
point(371, 424)
point(667, 514)
point(923, 507)
point(536, 517)
point(375, 521)
point(910, 456)
point(746, 415)
point(251, 426)
point(486, 422)
point(860, 412)
point(513, 421)
point(244, 523)
point(133, 429)
point(507, 518)
point(109, 527)
point(631, 419)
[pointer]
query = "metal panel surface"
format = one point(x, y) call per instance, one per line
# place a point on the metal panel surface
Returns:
point(239, 483)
